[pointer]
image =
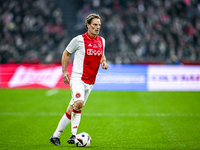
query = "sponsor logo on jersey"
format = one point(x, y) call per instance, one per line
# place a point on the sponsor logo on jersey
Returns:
point(94, 52)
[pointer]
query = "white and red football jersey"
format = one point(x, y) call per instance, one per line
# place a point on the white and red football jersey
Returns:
point(88, 53)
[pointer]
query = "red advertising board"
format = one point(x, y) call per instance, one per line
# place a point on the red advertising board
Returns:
point(32, 76)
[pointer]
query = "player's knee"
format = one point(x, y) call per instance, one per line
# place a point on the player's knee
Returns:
point(69, 109)
point(78, 105)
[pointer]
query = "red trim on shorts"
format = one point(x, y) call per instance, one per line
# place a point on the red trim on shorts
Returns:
point(76, 111)
point(68, 116)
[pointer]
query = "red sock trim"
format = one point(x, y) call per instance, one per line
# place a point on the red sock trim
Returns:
point(68, 116)
point(76, 111)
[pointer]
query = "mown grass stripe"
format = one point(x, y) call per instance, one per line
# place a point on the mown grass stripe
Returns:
point(104, 114)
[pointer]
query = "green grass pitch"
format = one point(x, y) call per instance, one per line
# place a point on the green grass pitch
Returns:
point(114, 119)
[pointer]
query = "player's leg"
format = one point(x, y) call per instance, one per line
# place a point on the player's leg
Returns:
point(76, 115)
point(75, 120)
point(88, 89)
point(76, 112)
point(77, 88)
point(64, 122)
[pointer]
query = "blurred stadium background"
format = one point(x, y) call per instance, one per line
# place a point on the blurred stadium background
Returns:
point(136, 31)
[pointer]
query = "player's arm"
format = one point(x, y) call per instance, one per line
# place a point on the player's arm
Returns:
point(104, 65)
point(64, 61)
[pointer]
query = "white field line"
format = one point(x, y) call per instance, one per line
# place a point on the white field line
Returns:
point(26, 114)
point(51, 92)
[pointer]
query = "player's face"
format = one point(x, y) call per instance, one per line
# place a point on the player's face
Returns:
point(94, 27)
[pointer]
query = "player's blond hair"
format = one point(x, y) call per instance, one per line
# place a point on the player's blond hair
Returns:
point(89, 18)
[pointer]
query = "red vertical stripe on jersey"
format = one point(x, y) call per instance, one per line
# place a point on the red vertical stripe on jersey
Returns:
point(93, 54)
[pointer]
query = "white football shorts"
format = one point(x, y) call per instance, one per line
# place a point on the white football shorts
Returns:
point(79, 90)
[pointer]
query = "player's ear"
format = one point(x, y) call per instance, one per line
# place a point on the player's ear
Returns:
point(87, 25)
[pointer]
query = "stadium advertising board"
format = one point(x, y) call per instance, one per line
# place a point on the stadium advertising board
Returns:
point(32, 76)
point(173, 78)
point(117, 77)
point(122, 77)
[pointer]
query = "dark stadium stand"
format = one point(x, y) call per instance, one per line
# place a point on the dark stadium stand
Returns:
point(136, 31)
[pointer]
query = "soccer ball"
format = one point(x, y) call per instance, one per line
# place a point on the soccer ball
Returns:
point(83, 140)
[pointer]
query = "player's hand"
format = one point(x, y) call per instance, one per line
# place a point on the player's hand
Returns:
point(104, 65)
point(66, 77)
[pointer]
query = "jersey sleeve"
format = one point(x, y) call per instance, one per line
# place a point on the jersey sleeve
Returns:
point(72, 46)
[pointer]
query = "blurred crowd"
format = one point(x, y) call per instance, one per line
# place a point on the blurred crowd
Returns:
point(31, 31)
point(166, 31)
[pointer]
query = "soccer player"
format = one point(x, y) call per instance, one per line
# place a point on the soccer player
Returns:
point(89, 54)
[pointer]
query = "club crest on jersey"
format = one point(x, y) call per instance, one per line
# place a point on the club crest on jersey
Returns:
point(78, 95)
point(100, 45)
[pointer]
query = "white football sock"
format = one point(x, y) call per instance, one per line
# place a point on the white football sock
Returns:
point(64, 122)
point(76, 118)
